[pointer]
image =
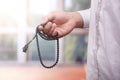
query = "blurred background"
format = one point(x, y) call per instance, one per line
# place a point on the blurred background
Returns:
point(18, 20)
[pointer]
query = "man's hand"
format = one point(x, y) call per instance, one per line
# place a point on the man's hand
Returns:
point(61, 23)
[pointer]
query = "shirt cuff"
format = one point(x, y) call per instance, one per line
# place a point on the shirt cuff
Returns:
point(86, 17)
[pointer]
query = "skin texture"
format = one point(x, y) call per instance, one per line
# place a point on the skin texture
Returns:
point(61, 22)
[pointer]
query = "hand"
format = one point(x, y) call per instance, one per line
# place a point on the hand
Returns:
point(61, 23)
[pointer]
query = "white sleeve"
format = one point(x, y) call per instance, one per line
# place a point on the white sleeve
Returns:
point(86, 17)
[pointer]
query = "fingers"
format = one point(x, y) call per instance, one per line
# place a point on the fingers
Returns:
point(46, 22)
point(43, 24)
point(52, 29)
point(49, 29)
point(48, 26)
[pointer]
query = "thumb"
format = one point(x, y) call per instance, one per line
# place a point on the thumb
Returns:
point(48, 18)
point(51, 17)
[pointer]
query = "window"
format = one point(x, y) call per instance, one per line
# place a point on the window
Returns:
point(8, 33)
point(18, 21)
point(8, 47)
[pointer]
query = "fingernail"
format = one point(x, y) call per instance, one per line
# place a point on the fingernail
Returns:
point(40, 27)
point(43, 25)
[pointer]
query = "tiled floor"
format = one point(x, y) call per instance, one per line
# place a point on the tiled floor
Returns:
point(34, 72)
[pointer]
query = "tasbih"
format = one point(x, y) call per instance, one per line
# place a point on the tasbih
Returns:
point(45, 37)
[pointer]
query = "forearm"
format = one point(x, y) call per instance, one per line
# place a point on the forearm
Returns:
point(77, 19)
point(81, 18)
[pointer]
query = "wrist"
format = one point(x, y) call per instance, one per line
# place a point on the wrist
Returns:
point(78, 20)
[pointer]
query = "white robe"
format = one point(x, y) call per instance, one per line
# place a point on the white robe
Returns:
point(103, 20)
